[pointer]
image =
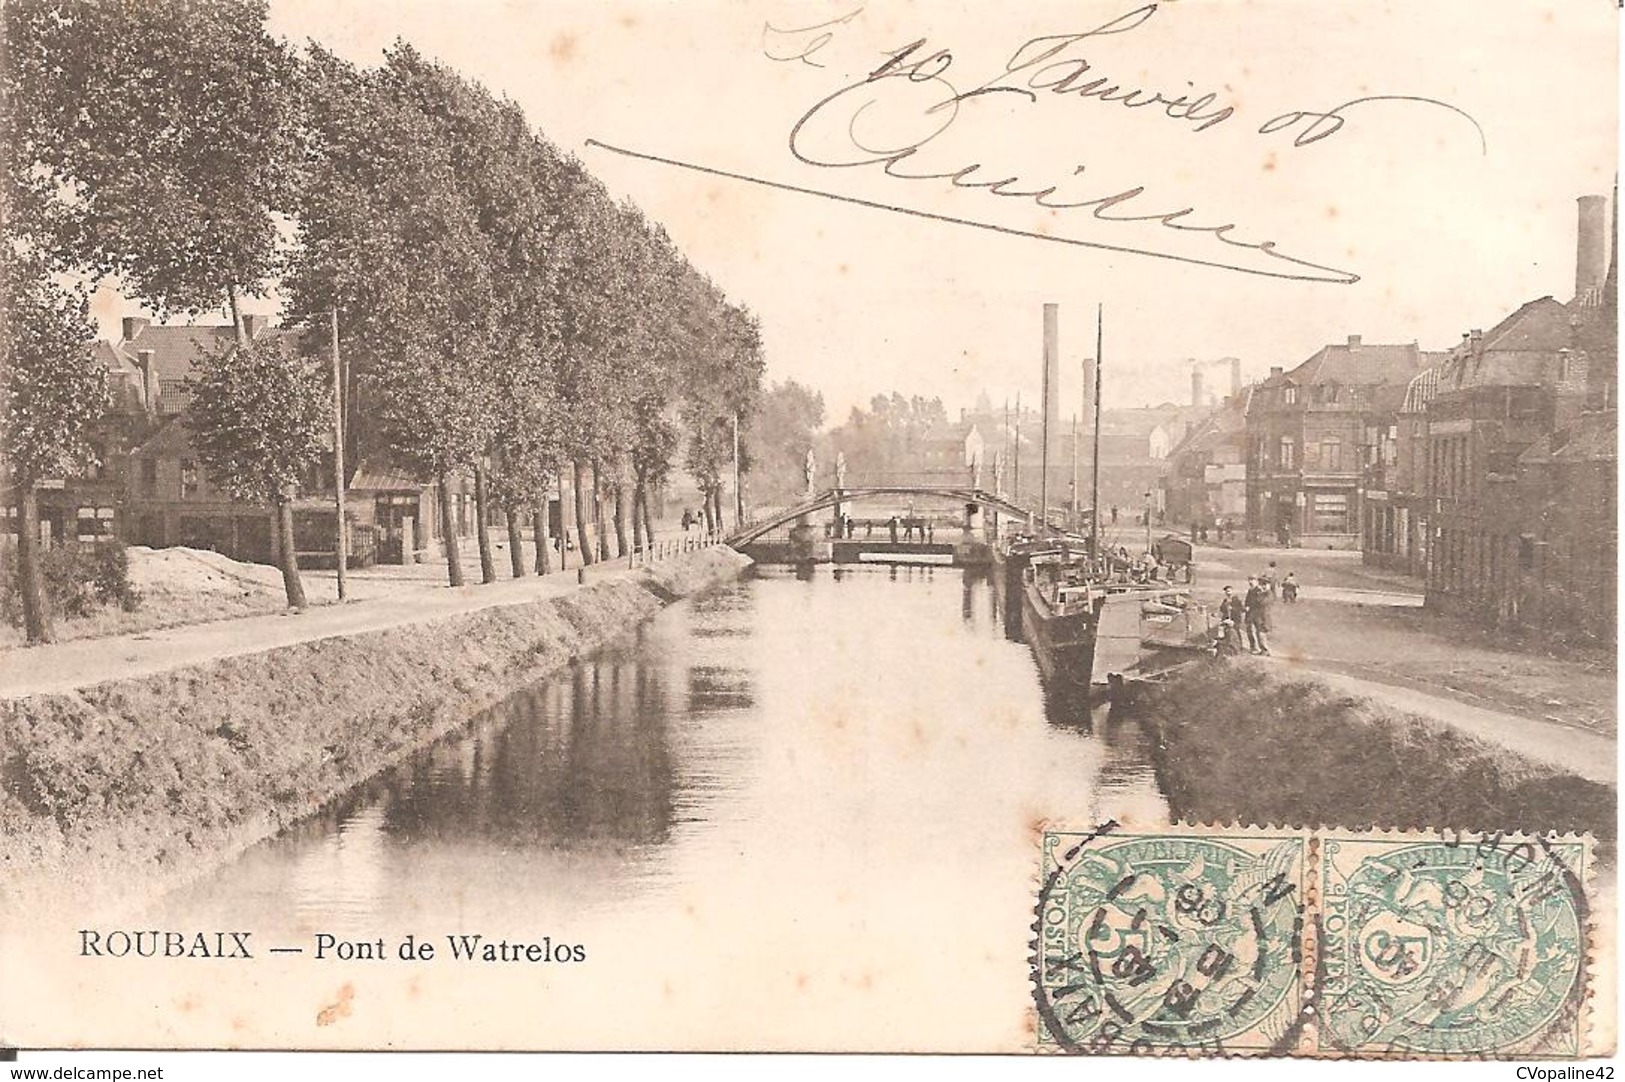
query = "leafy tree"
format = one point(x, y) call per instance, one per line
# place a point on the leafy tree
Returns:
point(259, 415)
point(159, 136)
point(786, 423)
point(388, 238)
point(51, 392)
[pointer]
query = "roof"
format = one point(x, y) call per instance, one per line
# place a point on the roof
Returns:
point(1520, 351)
point(1591, 438)
point(172, 440)
point(378, 474)
point(1222, 423)
point(177, 349)
point(1357, 364)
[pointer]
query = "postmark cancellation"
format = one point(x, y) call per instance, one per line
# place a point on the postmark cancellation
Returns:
point(1203, 941)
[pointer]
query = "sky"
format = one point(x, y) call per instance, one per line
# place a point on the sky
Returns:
point(1449, 211)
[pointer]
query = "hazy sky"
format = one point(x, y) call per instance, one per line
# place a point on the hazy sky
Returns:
point(1447, 220)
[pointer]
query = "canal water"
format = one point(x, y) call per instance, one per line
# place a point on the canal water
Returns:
point(821, 791)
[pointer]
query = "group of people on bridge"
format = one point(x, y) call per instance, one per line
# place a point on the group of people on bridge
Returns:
point(904, 528)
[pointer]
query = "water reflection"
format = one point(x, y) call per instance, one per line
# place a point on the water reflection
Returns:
point(851, 703)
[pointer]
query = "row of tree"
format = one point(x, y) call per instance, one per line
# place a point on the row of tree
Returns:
point(502, 315)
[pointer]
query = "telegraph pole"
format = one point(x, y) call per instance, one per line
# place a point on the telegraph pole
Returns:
point(739, 497)
point(338, 454)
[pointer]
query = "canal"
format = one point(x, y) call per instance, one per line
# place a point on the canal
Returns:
point(809, 802)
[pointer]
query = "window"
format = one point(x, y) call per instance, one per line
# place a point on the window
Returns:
point(1289, 396)
point(1289, 453)
point(189, 483)
point(1329, 392)
point(174, 395)
point(149, 476)
point(1331, 455)
point(95, 524)
point(1330, 513)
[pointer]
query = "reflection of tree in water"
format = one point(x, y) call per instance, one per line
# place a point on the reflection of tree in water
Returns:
point(580, 760)
point(1127, 763)
point(724, 614)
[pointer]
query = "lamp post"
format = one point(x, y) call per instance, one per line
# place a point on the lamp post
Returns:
point(338, 456)
point(1148, 520)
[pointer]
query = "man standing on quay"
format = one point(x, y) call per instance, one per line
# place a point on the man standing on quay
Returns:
point(1258, 617)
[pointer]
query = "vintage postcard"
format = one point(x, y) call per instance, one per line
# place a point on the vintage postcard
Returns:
point(838, 526)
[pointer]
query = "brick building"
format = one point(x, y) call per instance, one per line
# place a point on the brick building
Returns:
point(1519, 459)
point(1313, 432)
point(1205, 482)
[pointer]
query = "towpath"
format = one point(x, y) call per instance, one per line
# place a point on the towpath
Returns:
point(63, 666)
point(1365, 632)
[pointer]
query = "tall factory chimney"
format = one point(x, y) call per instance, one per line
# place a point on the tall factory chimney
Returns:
point(1196, 385)
point(1235, 377)
point(1591, 248)
point(1052, 401)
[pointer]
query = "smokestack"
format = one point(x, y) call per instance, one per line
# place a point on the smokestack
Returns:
point(1052, 405)
point(1235, 376)
point(1354, 341)
point(1196, 386)
point(133, 326)
point(143, 360)
point(1591, 248)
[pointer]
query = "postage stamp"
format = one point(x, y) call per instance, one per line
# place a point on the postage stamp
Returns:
point(1452, 946)
point(1166, 942)
point(1202, 940)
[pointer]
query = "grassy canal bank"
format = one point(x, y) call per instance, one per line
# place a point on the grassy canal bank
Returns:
point(1241, 742)
point(133, 785)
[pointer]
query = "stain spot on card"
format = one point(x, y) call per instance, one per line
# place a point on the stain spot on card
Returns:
point(339, 1008)
point(563, 48)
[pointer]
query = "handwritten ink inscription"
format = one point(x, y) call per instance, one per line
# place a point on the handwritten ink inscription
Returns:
point(896, 118)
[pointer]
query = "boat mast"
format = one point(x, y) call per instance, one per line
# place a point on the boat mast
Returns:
point(1094, 495)
point(1052, 374)
point(1074, 524)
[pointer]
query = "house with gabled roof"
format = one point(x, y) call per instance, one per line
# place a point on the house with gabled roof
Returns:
point(1313, 431)
point(1205, 484)
point(1519, 458)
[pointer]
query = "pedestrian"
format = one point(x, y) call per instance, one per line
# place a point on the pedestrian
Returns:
point(1270, 579)
point(1114, 516)
point(930, 532)
point(1196, 532)
point(1230, 615)
point(893, 525)
point(1258, 617)
point(1204, 535)
point(688, 520)
point(1289, 588)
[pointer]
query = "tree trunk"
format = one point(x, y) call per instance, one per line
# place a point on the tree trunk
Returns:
point(716, 498)
point(30, 582)
point(705, 506)
point(643, 509)
point(233, 297)
point(538, 526)
point(578, 473)
point(288, 554)
point(516, 543)
point(620, 514)
point(482, 532)
point(638, 538)
point(598, 514)
point(448, 534)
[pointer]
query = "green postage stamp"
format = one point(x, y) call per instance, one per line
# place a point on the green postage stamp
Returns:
point(1188, 940)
